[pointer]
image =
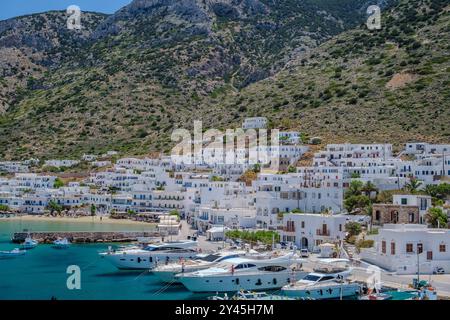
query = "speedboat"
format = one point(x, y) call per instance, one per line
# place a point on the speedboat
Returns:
point(151, 255)
point(167, 273)
point(13, 253)
point(61, 243)
point(245, 273)
point(326, 282)
point(29, 243)
point(249, 295)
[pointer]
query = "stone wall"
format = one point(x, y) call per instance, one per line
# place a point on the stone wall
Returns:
point(83, 237)
point(392, 213)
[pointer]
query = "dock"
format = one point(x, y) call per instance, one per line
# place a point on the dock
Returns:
point(84, 237)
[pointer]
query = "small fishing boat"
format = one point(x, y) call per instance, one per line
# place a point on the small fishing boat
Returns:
point(61, 243)
point(249, 295)
point(29, 243)
point(13, 253)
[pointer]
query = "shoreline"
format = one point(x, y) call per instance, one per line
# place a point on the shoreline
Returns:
point(95, 220)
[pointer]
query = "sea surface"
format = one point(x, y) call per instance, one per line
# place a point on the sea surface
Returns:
point(41, 273)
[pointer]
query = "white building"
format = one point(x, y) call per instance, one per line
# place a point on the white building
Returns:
point(401, 248)
point(289, 137)
point(13, 167)
point(423, 148)
point(254, 123)
point(311, 230)
point(61, 163)
point(348, 154)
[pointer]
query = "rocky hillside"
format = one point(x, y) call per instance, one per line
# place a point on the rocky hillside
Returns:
point(31, 45)
point(134, 76)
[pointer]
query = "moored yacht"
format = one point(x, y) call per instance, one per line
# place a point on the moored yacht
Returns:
point(245, 273)
point(151, 255)
point(29, 243)
point(326, 282)
point(166, 273)
point(61, 243)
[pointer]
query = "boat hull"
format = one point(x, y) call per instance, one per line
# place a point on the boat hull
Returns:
point(322, 293)
point(144, 260)
point(228, 283)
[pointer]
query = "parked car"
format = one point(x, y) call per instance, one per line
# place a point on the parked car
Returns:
point(439, 270)
point(304, 253)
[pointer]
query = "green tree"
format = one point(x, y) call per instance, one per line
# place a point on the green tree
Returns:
point(354, 189)
point(175, 213)
point(58, 183)
point(436, 217)
point(385, 197)
point(4, 208)
point(354, 203)
point(93, 209)
point(355, 175)
point(353, 228)
point(369, 188)
point(53, 206)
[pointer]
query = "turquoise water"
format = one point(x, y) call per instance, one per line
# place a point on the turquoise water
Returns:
point(41, 272)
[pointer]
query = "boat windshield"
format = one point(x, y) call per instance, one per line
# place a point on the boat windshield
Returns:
point(210, 257)
point(311, 277)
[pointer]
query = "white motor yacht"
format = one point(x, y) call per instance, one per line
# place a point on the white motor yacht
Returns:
point(328, 281)
point(166, 273)
point(245, 273)
point(29, 243)
point(151, 255)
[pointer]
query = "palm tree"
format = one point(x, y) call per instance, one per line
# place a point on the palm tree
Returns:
point(354, 189)
point(430, 190)
point(413, 185)
point(368, 188)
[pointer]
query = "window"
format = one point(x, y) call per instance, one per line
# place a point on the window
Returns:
point(404, 201)
point(419, 248)
point(442, 248)
point(303, 224)
point(393, 248)
point(409, 248)
point(383, 246)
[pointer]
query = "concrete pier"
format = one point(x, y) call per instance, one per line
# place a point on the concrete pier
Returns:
point(83, 237)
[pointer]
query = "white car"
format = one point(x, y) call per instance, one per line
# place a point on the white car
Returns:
point(304, 253)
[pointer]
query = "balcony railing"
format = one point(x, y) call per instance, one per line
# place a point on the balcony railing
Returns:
point(322, 233)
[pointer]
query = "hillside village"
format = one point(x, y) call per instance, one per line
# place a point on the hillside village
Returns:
point(388, 206)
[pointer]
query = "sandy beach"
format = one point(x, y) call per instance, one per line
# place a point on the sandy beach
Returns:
point(96, 219)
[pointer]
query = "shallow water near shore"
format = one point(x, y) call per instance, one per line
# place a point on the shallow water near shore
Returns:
point(41, 272)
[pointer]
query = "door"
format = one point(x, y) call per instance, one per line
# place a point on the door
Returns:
point(324, 229)
point(304, 243)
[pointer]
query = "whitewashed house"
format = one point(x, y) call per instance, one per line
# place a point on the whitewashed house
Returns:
point(67, 163)
point(309, 231)
point(254, 123)
point(407, 248)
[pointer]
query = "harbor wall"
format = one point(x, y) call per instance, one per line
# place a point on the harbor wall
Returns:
point(84, 237)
